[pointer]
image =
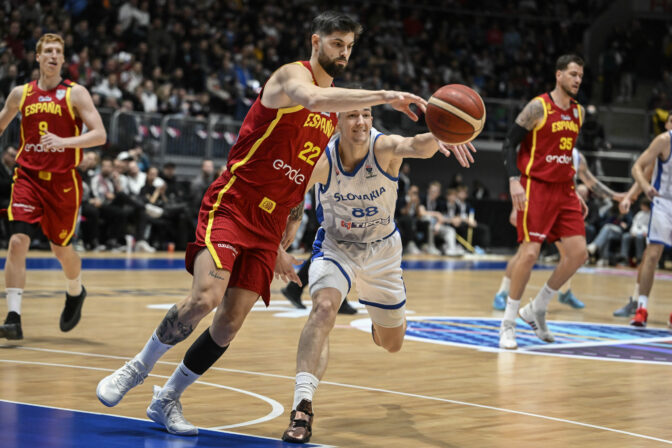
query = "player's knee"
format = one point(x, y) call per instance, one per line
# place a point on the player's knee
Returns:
point(324, 312)
point(18, 243)
point(202, 302)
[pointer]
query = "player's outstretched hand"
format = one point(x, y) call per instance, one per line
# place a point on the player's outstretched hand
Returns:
point(284, 267)
point(624, 205)
point(402, 101)
point(462, 152)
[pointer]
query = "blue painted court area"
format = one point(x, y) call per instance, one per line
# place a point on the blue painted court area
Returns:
point(29, 426)
point(177, 263)
point(593, 340)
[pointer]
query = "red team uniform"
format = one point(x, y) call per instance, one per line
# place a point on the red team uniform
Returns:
point(244, 212)
point(552, 209)
point(47, 187)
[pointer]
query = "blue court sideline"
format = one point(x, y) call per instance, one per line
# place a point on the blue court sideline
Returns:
point(177, 263)
point(30, 426)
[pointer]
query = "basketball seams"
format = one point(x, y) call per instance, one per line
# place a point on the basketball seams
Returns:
point(474, 122)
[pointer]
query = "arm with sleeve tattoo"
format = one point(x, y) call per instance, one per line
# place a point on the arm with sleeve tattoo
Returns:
point(593, 183)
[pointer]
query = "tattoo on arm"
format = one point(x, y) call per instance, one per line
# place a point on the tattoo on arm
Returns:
point(216, 275)
point(297, 212)
point(171, 330)
point(531, 114)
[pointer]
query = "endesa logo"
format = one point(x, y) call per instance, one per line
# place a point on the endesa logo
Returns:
point(293, 174)
point(33, 147)
point(563, 159)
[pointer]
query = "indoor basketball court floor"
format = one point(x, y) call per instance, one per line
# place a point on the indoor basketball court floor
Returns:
point(603, 383)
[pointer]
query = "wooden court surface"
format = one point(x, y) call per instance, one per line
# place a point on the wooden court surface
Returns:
point(427, 395)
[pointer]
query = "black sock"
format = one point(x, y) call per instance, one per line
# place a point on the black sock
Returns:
point(203, 353)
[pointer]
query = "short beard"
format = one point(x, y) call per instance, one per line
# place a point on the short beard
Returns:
point(331, 67)
point(569, 92)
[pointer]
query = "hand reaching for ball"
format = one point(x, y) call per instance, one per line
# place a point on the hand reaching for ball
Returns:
point(462, 152)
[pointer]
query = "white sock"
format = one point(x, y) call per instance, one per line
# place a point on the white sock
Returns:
point(504, 286)
point(306, 385)
point(14, 296)
point(511, 311)
point(181, 378)
point(152, 351)
point(635, 293)
point(543, 298)
point(642, 301)
point(74, 286)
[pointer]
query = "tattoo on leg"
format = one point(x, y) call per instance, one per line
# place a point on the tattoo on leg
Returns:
point(171, 330)
point(216, 275)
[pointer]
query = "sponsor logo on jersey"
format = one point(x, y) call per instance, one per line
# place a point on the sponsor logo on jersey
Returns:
point(44, 98)
point(37, 147)
point(359, 197)
point(576, 113)
point(317, 121)
point(47, 108)
point(562, 159)
point(60, 94)
point(369, 172)
point(292, 174)
point(29, 90)
point(365, 225)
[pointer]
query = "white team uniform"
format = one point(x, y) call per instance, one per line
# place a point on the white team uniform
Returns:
point(358, 239)
point(660, 226)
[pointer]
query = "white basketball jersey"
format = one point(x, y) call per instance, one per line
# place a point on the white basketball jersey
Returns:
point(662, 176)
point(358, 206)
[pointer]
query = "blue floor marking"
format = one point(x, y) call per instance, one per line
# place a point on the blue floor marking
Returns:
point(177, 263)
point(30, 426)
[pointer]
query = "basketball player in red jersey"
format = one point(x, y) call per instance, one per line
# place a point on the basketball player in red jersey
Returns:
point(542, 191)
point(47, 188)
point(245, 211)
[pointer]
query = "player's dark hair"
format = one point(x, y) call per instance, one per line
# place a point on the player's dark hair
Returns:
point(563, 61)
point(331, 21)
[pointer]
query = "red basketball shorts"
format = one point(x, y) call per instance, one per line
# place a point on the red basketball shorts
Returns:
point(51, 199)
point(552, 211)
point(241, 236)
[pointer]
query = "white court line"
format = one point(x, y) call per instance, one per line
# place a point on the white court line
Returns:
point(276, 408)
point(386, 391)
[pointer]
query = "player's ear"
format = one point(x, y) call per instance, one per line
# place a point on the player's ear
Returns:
point(315, 41)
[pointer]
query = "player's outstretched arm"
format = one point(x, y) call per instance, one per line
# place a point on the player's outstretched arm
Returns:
point(421, 146)
point(85, 109)
point(658, 146)
point(292, 85)
point(11, 107)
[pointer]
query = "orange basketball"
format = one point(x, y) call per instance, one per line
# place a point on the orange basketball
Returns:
point(455, 114)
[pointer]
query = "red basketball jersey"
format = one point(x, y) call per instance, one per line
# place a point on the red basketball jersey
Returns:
point(546, 152)
point(277, 149)
point(45, 111)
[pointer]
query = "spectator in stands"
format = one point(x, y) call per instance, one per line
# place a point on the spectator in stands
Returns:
point(638, 232)
point(407, 220)
point(200, 183)
point(614, 225)
point(7, 164)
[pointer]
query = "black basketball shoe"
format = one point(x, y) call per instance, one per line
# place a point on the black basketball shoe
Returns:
point(11, 329)
point(72, 310)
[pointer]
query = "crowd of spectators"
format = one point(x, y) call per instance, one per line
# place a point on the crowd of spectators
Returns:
point(195, 57)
